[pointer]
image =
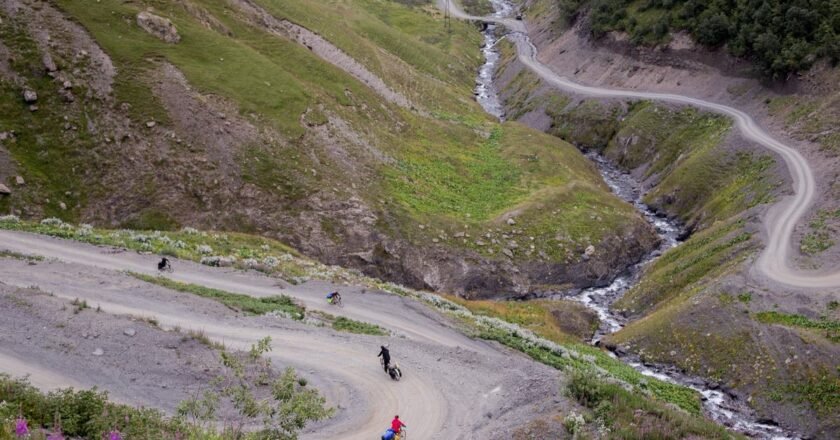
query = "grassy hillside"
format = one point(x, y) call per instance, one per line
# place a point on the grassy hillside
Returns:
point(240, 127)
point(694, 307)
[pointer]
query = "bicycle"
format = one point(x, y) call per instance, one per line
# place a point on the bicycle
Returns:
point(167, 268)
point(335, 300)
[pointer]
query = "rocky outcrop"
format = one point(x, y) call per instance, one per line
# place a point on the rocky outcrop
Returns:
point(158, 26)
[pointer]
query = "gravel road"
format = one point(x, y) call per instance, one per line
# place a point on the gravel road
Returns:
point(453, 386)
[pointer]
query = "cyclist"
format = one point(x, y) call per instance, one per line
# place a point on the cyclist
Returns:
point(334, 298)
point(386, 356)
point(397, 426)
point(163, 264)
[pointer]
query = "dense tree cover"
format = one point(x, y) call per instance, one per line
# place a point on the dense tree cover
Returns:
point(781, 36)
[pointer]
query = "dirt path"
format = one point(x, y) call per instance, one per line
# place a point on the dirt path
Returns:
point(775, 262)
point(454, 387)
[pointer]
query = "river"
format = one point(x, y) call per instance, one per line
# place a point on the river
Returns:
point(719, 405)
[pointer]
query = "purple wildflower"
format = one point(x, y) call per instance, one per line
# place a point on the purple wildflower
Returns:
point(57, 435)
point(114, 435)
point(21, 429)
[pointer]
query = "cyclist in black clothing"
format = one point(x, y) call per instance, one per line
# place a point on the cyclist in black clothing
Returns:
point(164, 264)
point(386, 356)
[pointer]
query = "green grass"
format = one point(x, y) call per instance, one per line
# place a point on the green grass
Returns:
point(830, 328)
point(236, 301)
point(478, 184)
point(52, 159)
point(559, 321)
point(630, 416)
point(20, 256)
point(819, 238)
point(682, 397)
point(821, 391)
point(677, 273)
point(348, 325)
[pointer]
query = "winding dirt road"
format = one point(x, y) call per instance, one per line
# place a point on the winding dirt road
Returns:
point(454, 387)
point(776, 260)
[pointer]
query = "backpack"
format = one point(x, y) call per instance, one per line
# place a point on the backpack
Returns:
point(389, 434)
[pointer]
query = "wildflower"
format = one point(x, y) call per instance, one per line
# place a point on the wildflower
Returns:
point(11, 218)
point(57, 435)
point(178, 244)
point(189, 231)
point(204, 249)
point(52, 221)
point(114, 435)
point(21, 429)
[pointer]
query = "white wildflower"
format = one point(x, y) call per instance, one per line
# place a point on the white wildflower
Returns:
point(52, 221)
point(189, 231)
point(11, 218)
point(574, 422)
point(204, 249)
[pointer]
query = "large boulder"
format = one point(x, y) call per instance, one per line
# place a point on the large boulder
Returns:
point(158, 26)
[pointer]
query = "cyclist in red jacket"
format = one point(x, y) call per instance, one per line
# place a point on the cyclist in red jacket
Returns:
point(397, 425)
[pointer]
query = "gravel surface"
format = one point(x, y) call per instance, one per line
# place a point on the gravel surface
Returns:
point(453, 386)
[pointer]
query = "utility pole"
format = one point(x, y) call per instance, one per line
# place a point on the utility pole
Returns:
point(447, 18)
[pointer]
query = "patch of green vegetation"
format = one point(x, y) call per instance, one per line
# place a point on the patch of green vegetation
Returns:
point(478, 185)
point(79, 305)
point(830, 327)
point(818, 239)
point(821, 391)
point(833, 305)
point(387, 36)
point(682, 397)
point(630, 416)
point(348, 325)
point(82, 414)
point(19, 256)
point(236, 301)
point(745, 297)
point(53, 153)
point(676, 274)
point(588, 125)
point(539, 316)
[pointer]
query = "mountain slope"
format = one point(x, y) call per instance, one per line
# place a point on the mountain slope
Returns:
point(362, 147)
point(699, 307)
